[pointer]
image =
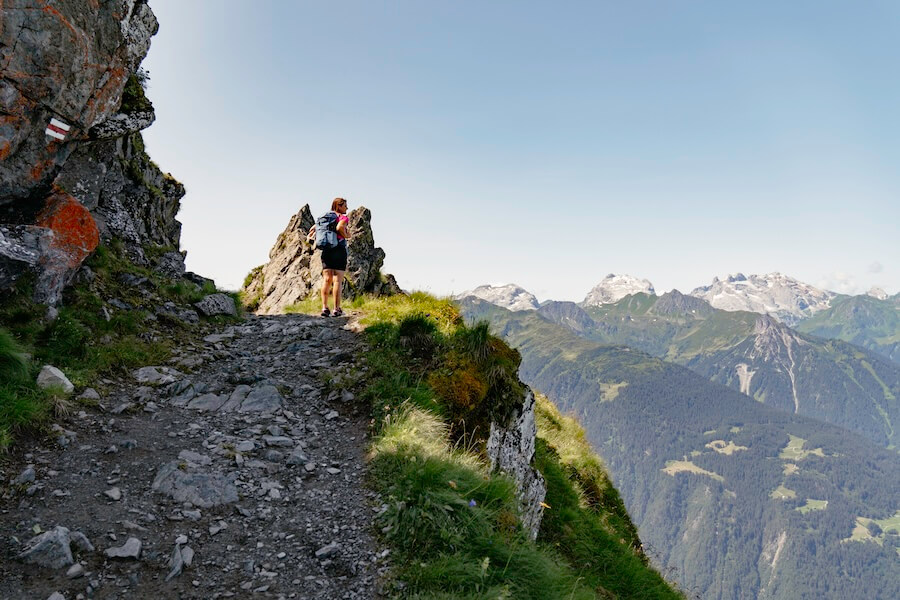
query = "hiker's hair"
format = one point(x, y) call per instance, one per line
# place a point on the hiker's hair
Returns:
point(335, 202)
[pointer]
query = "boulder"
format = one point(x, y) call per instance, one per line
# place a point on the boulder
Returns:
point(130, 549)
point(122, 124)
point(294, 270)
point(50, 377)
point(63, 234)
point(217, 304)
point(52, 548)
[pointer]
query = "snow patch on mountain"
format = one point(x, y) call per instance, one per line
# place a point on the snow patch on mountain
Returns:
point(509, 296)
point(613, 288)
point(774, 294)
point(877, 292)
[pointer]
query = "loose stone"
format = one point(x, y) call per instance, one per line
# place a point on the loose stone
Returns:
point(130, 549)
point(75, 571)
point(278, 440)
point(245, 446)
point(51, 377)
point(328, 550)
point(26, 476)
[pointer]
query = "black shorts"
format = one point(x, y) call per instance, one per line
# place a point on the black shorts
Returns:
point(335, 258)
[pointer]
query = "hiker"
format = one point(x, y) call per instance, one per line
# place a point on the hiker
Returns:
point(334, 259)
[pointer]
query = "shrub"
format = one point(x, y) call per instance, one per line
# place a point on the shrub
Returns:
point(133, 97)
point(459, 383)
point(418, 334)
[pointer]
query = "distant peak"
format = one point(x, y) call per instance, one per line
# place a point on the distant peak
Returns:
point(509, 296)
point(775, 294)
point(877, 292)
point(614, 287)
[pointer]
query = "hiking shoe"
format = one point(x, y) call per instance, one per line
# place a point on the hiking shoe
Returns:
point(326, 312)
point(338, 313)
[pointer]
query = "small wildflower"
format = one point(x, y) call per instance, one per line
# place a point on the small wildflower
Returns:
point(472, 502)
point(452, 484)
point(545, 505)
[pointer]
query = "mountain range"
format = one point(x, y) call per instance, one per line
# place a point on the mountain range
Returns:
point(737, 498)
point(871, 321)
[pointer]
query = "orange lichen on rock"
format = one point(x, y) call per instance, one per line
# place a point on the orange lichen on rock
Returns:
point(75, 230)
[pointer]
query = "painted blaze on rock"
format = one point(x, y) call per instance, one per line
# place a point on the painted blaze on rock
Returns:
point(67, 59)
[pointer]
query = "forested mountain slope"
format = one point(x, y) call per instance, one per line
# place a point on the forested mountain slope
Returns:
point(873, 323)
point(830, 380)
point(742, 500)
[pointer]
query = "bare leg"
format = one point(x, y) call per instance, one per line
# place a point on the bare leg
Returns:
point(326, 286)
point(339, 279)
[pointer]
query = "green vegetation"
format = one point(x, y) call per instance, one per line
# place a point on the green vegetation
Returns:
point(783, 493)
point(813, 505)
point(712, 534)
point(21, 402)
point(673, 467)
point(835, 381)
point(877, 530)
point(133, 97)
point(88, 339)
point(435, 383)
point(862, 320)
point(794, 449)
point(586, 520)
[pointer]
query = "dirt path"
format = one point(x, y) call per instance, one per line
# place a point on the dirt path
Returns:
point(245, 466)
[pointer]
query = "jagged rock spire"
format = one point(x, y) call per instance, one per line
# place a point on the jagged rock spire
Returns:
point(294, 270)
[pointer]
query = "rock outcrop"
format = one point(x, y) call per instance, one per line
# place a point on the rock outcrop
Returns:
point(68, 60)
point(294, 270)
point(510, 448)
point(73, 171)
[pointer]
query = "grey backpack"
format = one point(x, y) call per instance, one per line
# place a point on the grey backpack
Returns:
point(326, 231)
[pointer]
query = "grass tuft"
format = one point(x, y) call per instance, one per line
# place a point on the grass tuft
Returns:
point(22, 404)
point(14, 365)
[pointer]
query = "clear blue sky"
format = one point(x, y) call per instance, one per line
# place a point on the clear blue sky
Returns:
point(545, 144)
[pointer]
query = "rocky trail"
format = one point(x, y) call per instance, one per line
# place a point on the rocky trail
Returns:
point(234, 471)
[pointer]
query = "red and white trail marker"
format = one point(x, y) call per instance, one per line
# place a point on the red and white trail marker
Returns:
point(57, 129)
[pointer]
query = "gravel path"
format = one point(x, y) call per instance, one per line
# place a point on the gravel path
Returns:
point(236, 471)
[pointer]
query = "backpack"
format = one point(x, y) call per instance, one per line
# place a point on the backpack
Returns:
point(326, 231)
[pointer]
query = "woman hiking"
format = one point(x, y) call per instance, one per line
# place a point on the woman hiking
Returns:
point(334, 260)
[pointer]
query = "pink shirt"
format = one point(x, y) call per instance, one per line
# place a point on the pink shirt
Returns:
point(345, 219)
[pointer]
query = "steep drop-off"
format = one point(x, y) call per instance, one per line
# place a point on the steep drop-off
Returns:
point(739, 499)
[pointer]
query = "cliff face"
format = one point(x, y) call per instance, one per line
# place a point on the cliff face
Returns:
point(510, 448)
point(73, 171)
